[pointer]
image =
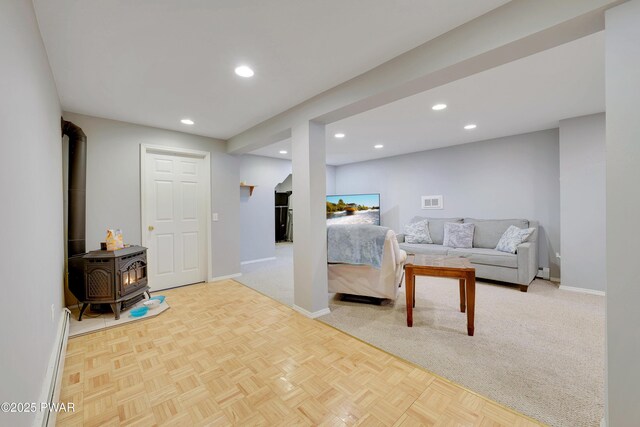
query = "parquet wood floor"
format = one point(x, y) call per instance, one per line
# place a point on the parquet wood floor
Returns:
point(227, 355)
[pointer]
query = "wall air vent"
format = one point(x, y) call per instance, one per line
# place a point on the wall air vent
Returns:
point(432, 202)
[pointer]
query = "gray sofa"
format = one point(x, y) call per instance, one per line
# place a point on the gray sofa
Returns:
point(519, 268)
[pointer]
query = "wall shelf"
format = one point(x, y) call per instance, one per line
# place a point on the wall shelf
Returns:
point(250, 187)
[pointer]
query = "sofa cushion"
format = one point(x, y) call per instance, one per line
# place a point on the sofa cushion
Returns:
point(417, 248)
point(458, 235)
point(417, 232)
point(486, 256)
point(436, 227)
point(512, 238)
point(488, 232)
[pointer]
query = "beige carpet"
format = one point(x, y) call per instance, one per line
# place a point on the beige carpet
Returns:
point(540, 352)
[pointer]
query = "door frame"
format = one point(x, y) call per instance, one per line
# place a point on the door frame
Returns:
point(184, 152)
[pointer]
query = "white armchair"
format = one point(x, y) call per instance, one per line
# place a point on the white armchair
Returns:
point(369, 281)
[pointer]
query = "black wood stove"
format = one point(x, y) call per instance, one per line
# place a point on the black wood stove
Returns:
point(117, 278)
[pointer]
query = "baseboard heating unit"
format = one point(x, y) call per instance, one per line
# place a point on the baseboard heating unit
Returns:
point(53, 378)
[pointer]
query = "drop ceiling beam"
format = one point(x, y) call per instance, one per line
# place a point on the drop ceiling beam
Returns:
point(519, 28)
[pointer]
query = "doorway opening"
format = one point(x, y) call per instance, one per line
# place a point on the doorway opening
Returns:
point(284, 210)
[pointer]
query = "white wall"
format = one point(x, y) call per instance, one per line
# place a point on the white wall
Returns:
point(286, 185)
point(32, 250)
point(331, 179)
point(583, 202)
point(113, 184)
point(511, 177)
point(257, 212)
point(623, 212)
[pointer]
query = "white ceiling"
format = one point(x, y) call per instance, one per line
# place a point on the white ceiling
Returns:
point(154, 62)
point(530, 94)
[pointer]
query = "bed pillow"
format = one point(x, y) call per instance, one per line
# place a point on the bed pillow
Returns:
point(512, 237)
point(458, 235)
point(417, 232)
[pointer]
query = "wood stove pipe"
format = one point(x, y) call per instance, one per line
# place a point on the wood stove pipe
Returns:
point(76, 211)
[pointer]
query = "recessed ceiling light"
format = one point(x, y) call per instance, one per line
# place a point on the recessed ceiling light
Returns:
point(470, 126)
point(378, 146)
point(283, 151)
point(339, 135)
point(439, 107)
point(244, 71)
point(187, 121)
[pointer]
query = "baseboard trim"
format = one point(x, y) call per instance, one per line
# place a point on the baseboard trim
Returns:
point(53, 378)
point(582, 290)
point(310, 314)
point(229, 276)
point(253, 261)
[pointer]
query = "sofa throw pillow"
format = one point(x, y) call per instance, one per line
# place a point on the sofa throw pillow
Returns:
point(512, 237)
point(458, 235)
point(417, 232)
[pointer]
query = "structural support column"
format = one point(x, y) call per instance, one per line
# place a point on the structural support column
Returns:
point(623, 211)
point(309, 219)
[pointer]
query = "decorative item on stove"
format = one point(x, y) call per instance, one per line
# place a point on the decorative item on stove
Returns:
point(114, 240)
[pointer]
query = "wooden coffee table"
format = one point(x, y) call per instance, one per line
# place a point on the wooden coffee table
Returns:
point(442, 266)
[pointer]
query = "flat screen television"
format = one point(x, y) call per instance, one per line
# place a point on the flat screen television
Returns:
point(353, 209)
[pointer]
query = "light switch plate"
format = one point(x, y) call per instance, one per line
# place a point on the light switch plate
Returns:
point(214, 217)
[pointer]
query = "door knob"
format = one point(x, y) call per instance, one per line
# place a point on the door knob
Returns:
point(151, 228)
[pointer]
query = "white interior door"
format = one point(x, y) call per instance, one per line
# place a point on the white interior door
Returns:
point(175, 220)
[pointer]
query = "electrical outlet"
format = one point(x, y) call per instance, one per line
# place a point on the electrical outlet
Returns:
point(53, 312)
point(214, 217)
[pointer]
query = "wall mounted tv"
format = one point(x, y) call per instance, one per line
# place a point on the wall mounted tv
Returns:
point(353, 209)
